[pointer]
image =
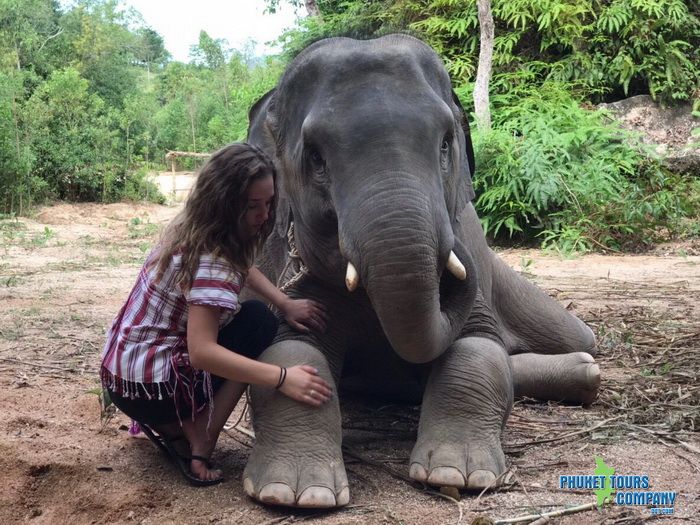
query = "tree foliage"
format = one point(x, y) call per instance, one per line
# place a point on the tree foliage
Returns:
point(609, 48)
point(90, 99)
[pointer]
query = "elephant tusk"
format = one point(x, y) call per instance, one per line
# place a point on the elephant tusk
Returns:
point(351, 277)
point(456, 267)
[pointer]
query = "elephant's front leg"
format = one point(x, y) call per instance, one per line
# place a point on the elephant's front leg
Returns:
point(297, 459)
point(466, 403)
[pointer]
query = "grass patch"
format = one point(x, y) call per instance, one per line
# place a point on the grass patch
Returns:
point(15, 233)
point(10, 281)
point(138, 228)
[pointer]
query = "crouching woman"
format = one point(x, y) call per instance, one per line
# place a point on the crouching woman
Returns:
point(183, 347)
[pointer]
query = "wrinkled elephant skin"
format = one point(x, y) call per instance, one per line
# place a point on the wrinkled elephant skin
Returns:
point(375, 163)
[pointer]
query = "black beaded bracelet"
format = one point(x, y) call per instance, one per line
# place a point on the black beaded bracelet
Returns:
point(283, 376)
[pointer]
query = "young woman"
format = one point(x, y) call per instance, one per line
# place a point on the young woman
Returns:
point(182, 349)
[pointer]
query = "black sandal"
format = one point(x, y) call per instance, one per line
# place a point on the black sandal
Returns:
point(165, 445)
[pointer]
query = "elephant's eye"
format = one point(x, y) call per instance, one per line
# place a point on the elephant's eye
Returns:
point(445, 150)
point(316, 162)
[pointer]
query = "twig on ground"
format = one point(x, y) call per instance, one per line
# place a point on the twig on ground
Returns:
point(567, 435)
point(42, 365)
point(403, 477)
point(236, 438)
point(551, 514)
point(274, 521)
point(505, 474)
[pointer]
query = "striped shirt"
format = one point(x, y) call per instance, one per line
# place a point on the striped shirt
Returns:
point(147, 343)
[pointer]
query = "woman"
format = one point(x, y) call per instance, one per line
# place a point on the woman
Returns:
point(182, 349)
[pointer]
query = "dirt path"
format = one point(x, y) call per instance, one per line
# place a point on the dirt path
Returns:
point(64, 275)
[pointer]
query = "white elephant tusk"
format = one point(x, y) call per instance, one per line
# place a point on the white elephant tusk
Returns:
point(351, 277)
point(456, 267)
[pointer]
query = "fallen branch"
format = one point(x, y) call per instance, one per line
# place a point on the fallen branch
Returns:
point(42, 365)
point(568, 435)
point(547, 515)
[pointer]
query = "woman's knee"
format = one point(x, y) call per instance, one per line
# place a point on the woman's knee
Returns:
point(251, 331)
point(257, 313)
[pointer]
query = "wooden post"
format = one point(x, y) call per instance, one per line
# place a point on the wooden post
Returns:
point(172, 167)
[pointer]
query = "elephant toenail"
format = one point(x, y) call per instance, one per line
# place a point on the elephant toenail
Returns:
point(317, 497)
point(447, 477)
point(418, 472)
point(481, 479)
point(277, 494)
point(594, 375)
point(343, 497)
point(248, 487)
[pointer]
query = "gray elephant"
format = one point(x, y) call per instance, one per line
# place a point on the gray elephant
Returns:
point(375, 158)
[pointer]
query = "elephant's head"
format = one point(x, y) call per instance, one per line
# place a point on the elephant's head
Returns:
point(375, 157)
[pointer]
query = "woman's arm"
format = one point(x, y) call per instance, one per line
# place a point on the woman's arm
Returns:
point(302, 382)
point(301, 314)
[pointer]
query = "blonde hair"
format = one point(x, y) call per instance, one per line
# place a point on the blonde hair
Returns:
point(213, 219)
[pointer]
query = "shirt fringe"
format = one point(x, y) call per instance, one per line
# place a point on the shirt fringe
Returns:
point(181, 389)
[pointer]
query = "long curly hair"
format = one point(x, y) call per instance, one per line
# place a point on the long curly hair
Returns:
point(213, 219)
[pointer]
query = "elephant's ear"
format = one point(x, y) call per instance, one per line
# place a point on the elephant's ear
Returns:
point(464, 189)
point(262, 132)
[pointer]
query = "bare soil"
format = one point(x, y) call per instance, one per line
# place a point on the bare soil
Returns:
point(65, 273)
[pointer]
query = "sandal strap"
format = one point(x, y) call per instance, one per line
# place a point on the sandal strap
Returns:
point(204, 460)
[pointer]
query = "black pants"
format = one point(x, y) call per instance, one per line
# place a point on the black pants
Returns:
point(249, 333)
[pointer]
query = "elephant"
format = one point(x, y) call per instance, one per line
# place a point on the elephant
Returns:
point(374, 160)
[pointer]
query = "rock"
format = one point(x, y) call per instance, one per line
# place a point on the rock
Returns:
point(452, 492)
point(668, 131)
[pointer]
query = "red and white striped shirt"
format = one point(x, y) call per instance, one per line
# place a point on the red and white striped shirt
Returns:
point(147, 343)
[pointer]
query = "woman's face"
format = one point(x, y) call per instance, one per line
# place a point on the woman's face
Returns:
point(261, 194)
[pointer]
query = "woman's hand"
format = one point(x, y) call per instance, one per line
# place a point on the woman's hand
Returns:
point(304, 314)
point(303, 384)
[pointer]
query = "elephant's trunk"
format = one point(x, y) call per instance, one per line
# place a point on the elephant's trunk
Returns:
point(401, 256)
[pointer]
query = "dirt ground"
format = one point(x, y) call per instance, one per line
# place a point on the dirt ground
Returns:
point(65, 273)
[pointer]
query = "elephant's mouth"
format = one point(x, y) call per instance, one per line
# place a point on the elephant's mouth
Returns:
point(454, 267)
point(457, 288)
point(423, 310)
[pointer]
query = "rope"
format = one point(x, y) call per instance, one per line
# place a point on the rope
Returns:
point(300, 268)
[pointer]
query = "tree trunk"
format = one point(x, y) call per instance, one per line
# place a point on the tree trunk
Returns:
point(128, 153)
point(18, 175)
point(192, 111)
point(483, 74)
point(312, 8)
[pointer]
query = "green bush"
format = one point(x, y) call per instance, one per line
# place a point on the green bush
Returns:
point(552, 170)
point(138, 187)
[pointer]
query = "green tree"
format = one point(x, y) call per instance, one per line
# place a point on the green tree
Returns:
point(150, 50)
point(16, 158)
point(103, 48)
point(213, 54)
point(72, 138)
point(28, 28)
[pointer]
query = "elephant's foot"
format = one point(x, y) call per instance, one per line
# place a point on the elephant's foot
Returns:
point(467, 400)
point(573, 378)
point(462, 462)
point(297, 459)
point(293, 479)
